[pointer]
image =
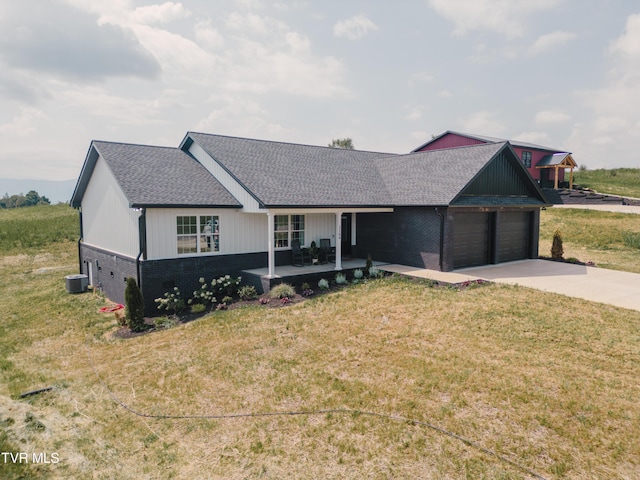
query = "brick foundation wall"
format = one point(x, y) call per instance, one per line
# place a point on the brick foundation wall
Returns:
point(109, 271)
point(159, 276)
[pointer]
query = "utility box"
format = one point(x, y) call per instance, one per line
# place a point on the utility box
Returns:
point(77, 283)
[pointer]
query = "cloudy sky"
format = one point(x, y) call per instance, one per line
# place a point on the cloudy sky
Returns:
point(561, 73)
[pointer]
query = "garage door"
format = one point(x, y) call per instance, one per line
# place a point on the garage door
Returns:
point(471, 240)
point(513, 236)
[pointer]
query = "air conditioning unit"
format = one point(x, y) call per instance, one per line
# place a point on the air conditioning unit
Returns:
point(76, 283)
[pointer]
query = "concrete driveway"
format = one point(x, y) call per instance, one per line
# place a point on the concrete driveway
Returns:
point(621, 289)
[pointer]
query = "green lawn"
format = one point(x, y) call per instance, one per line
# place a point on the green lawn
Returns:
point(547, 382)
point(610, 240)
point(617, 181)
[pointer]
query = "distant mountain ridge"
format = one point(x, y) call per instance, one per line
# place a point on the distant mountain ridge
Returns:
point(55, 190)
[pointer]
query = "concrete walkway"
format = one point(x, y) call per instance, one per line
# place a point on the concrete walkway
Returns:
point(612, 287)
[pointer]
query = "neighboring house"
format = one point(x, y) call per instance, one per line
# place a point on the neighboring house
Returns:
point(219, 205)
point(546, 165)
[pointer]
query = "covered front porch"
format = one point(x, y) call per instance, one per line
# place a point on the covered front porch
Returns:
point(307, 225)
point(259, 277)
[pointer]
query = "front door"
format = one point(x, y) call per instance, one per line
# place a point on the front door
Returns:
point(346, 234)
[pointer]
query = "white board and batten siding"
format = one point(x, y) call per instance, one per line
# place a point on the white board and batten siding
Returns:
point(107, 220)
point(239, 232)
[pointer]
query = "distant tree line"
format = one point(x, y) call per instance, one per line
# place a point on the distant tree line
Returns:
point(20, 200)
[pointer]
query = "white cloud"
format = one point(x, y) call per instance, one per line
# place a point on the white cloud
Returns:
point(539, 138)
point(208, 37)
point(414, 113)
point(22, 125)
point(354, 28)
point(165, 13)
point(547, 117)
point(615, 107)
point(628, 44)
point(503, 16)
point(420, 78)
point(239, 115)
point(550, 41)
point(484, 123)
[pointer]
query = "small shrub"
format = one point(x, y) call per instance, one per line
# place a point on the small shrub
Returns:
point(305, 286)
point(203, 295)
point(556, 248)
point(164, 323)
point(341, 279)
point(285, 301)
point(134, 306)
point(307, 292)
point(282, 290)
point(323, 284)
point(358, 274)
point(198, 308)
point(264, 300)
point(227, 300)
point(374, 272)
point(247, 292)
point(171, 301)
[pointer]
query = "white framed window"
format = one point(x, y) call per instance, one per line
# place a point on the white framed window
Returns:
point(198, 234)
point(288, 228)
point(526, 159)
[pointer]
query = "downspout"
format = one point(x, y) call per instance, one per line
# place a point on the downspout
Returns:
point(142, 236)
point(441, 215)
point(80, 240)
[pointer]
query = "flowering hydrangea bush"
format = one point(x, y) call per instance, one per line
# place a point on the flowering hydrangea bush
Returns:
point(203, 295)
point(171, 301)
point(225, 285)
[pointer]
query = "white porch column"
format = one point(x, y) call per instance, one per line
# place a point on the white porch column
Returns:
point(338, 241)
point(270, 246)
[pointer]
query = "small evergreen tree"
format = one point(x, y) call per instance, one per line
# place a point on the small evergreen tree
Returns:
point(556, 248)
point(134, 306)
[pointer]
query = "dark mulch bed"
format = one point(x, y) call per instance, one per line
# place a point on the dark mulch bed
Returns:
point(265, 302)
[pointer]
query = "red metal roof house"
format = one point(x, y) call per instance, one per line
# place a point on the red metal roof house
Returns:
point(538, 160)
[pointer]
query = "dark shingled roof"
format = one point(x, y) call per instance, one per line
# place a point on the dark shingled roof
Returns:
point(288, 174)
point(285, 175)
point(155, 177)
point(433, 177)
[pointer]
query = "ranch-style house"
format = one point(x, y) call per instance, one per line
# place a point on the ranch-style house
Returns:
point(219, 205)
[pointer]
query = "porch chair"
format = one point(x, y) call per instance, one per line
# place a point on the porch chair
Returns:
point(327, 251)
point(301, 256)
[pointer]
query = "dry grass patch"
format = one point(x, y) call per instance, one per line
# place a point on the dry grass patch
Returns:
point(544, 380)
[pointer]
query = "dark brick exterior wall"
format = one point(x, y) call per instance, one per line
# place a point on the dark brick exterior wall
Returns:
point(110, 270)
point(159, 276)
point(409, 236)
